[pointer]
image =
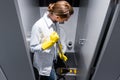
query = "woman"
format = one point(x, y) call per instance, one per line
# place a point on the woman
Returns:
point(44, 36)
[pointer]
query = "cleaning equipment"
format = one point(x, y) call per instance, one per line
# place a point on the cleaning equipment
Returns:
point(64, 69)
point(72, 71)
point(49, 43)
point(61, 64)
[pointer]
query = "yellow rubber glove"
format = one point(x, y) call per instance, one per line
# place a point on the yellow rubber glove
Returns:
point(49, 43)
point(61, 54)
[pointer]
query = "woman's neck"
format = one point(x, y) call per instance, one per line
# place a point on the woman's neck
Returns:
point(52, 17)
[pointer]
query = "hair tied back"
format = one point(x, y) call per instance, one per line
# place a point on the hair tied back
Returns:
point(50, 7)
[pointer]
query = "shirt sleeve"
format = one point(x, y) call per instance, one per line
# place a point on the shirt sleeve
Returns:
point(63, 39)
point(35, 41)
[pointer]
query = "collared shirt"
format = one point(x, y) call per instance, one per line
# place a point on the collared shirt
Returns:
point(43, 59)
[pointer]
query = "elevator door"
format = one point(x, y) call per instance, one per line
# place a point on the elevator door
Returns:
point(15, 63)
point(108, 67)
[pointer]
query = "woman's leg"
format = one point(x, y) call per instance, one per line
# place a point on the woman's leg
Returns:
point(53, 75)
point(44, 78)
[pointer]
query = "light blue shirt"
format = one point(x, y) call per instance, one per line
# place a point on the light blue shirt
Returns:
point(41, 30)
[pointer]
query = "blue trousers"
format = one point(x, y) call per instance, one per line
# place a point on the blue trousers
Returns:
point(52, 76)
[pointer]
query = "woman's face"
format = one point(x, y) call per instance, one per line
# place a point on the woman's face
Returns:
point(61, 20)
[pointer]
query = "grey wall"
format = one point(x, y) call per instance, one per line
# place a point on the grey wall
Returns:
point(94, 13)
point(80, 34)
point(14, 60)
point(69, 26)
